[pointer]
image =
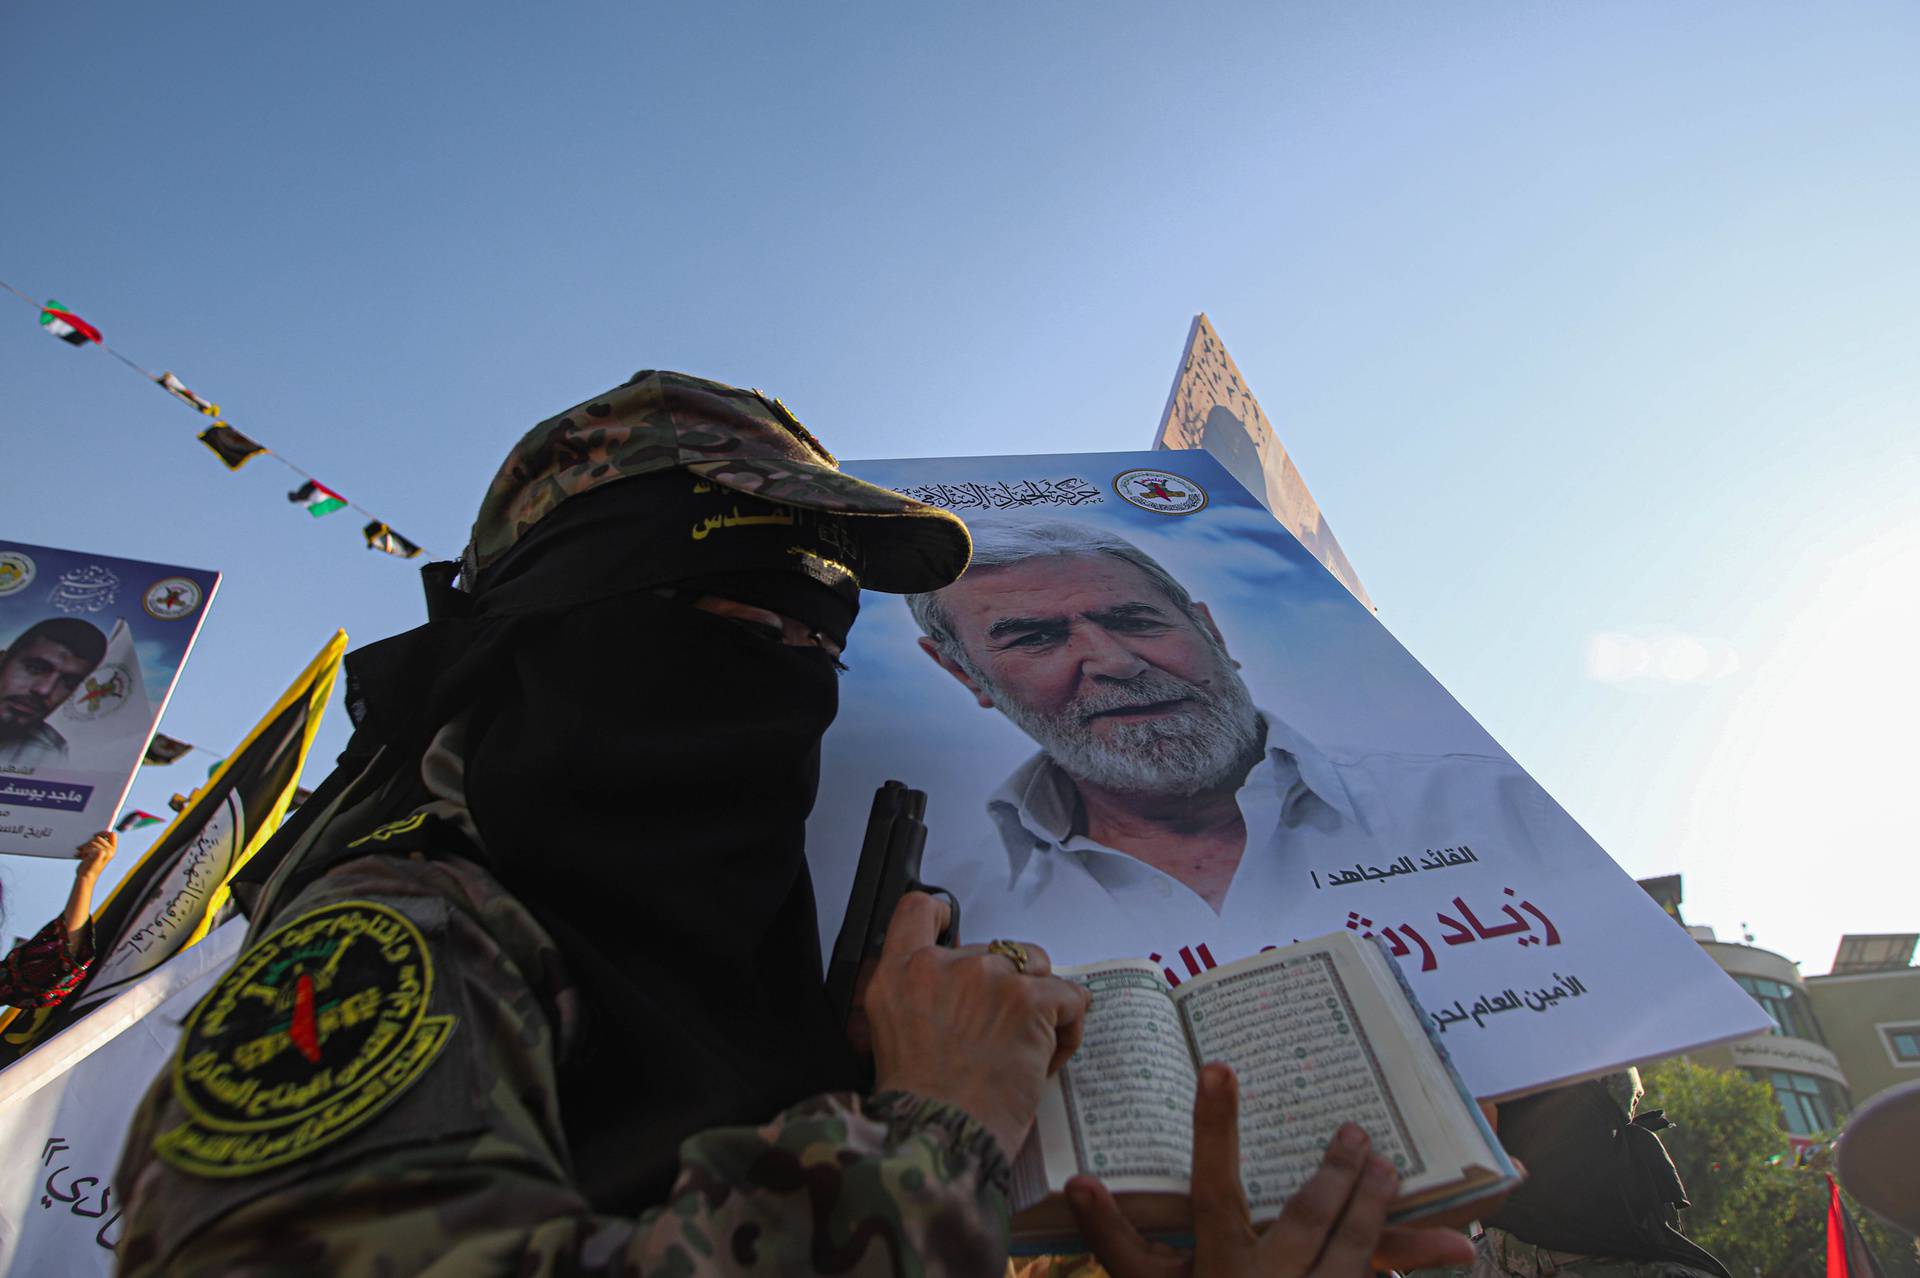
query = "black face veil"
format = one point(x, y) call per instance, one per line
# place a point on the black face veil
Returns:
point(639, 774)
point(641, 779)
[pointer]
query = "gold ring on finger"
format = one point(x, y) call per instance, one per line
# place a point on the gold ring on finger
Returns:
point(1012, 951)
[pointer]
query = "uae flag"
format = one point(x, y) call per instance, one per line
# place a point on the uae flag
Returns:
point(164, 749)
point(229, 445)
point(178, 389)
point(381, 537)
point(67, 326)
point(318, 498)
point(136, 820)
point(173, 895)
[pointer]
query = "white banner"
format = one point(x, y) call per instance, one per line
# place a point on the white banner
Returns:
point(64, 1112)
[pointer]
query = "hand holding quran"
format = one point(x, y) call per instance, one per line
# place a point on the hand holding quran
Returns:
point(1328, 1047)
point(1334, 1225)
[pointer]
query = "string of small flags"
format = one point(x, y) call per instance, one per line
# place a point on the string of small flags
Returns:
point(233, 448)
point(164, 749)
point(140, 819)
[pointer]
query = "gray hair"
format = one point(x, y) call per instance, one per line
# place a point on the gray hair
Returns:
point(1000, 545)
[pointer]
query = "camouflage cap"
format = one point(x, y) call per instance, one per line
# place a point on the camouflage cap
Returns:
point(738, 439)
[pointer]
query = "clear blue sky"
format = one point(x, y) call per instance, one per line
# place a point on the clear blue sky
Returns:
point(1591, 327)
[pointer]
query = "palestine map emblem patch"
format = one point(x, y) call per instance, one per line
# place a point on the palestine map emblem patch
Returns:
point(313, 1031)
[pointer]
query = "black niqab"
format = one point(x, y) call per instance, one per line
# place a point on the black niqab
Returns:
point(641, 779)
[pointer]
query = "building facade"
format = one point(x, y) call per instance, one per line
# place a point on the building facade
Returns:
point(1794, 1058)
point(1871, 1010)
point(1836, 1039)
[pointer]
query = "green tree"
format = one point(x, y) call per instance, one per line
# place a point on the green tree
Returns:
point(1751, 1207)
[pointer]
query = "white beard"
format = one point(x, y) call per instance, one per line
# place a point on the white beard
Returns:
point(1172, 756)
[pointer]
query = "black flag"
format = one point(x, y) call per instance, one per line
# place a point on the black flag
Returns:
point(381, 537)
point(233, 448)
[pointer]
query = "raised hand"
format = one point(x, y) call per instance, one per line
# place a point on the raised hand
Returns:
point(1335, 1226)
point(95, 853)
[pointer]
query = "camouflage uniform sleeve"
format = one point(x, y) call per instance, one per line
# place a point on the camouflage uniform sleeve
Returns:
point(886, 1185)
point(262, 1148)
point(891, 1184)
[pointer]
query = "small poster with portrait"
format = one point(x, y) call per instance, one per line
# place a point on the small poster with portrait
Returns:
point(91, 646)
point(1151, 725)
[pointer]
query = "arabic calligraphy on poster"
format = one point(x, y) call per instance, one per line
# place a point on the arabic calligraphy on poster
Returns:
point(1456, 924)
point(1431, 859)
point(1544, 998)
point(1464, 930)
point(1019, 495)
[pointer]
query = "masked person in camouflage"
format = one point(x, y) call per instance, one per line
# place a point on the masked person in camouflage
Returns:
point(531, 961)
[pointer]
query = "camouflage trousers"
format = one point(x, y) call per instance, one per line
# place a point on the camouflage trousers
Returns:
point(371, 1090)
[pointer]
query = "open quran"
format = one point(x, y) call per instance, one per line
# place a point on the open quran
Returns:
point(1319, 1033)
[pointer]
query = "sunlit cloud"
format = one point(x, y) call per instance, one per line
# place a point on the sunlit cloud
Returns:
point(1618, 656)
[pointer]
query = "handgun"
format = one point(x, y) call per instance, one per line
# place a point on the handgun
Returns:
point(889, 868)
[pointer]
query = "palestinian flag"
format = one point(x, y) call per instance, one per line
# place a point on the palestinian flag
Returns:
point(319, 499)
point(171, 896)
point(136, 820)
point(229, 445)
point(1848, 1255)
point(381, 537)
point(178, 389)
point(67, 326)
point(164, 749)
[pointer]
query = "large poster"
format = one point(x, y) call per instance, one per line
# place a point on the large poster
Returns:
point(1150, 723)
point(90, 648)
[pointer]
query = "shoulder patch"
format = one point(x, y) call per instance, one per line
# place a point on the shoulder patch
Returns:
point(311, 1033)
